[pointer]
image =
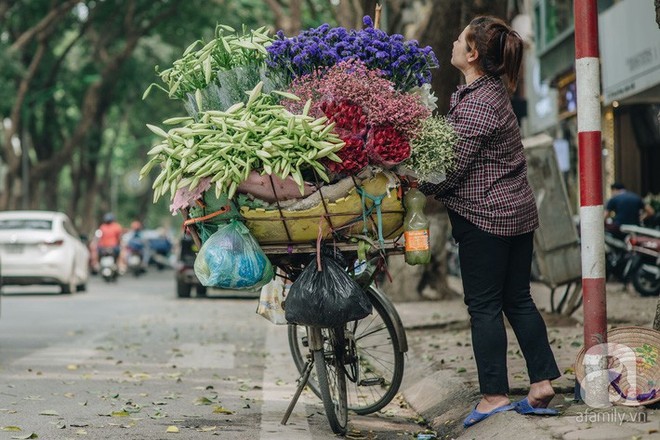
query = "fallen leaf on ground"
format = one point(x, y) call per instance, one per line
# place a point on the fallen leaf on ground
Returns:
point(207, 428)
point(10, 428)
point(172, 429)
point(203, 401)
point(72, 367)
point(158, 415)
point(49, 412)
point(222, 410)
point(25, 437)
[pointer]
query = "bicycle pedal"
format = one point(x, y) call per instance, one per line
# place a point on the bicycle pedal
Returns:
point(372, 382)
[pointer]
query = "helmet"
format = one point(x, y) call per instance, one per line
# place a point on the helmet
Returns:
point(108, 218)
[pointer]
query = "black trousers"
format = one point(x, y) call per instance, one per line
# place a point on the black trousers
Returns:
point(496, 280)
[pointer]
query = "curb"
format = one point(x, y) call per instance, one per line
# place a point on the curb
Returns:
point(434, 396)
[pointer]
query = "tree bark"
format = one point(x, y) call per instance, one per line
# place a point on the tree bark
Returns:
point(657, 12)
point(289, 20)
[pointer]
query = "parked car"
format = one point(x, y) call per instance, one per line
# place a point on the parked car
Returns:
point(42, 247)
point(185, 272)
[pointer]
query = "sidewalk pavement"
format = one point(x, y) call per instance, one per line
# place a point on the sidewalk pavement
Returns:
point(440, 381)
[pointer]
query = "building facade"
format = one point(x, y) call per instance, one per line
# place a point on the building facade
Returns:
point(629, 41)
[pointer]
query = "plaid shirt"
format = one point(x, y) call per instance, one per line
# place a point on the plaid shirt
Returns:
point(488, 185)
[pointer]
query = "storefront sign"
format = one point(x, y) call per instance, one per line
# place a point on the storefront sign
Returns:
point(630, 49)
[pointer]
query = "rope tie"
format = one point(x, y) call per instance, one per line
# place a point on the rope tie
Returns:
point(377, 203)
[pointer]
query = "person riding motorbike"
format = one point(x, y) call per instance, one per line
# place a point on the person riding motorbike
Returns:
point(137, 245)
point(109, 236)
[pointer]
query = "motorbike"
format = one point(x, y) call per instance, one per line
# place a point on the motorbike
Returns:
point(108, 264)
point(643, 268)
point(160, 251)
point(617, 255)
point(135, 257)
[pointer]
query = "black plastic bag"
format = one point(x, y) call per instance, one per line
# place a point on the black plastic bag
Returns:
point(329, 298)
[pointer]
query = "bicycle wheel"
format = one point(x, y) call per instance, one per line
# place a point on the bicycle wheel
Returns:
point(379, 362)
point(332, 379)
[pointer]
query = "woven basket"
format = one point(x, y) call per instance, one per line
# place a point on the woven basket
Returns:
point(638, 346)
point(273, 226)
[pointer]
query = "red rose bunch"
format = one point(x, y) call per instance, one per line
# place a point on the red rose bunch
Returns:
point(386, 146)
point(349, 118)
point(353, 156)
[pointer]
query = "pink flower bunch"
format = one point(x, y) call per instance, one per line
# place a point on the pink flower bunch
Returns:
point(352, 81)
point(387, 146)
point(353, 155)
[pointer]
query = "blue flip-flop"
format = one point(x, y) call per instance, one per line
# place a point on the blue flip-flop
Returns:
point(475, 416)
point(523, 407)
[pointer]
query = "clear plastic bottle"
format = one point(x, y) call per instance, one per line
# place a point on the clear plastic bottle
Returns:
point(416, 228)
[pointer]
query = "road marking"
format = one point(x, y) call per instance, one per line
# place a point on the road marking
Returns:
point(279, 366)
point(194, 355)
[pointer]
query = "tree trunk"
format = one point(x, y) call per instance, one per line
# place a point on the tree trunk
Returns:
point(657, 12)
point(287, 19)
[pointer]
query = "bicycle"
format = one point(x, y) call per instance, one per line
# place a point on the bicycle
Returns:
point(358, 366)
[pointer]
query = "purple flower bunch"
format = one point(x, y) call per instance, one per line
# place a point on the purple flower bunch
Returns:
point(403, 62)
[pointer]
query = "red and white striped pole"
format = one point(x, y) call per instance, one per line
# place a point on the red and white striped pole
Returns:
point(594, 387)
point(590, 171)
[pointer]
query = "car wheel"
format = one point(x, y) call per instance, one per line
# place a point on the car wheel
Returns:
point(183, 289)
point(201, 290)
point(69, 287)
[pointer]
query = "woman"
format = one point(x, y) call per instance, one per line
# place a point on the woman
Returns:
point(493, 215)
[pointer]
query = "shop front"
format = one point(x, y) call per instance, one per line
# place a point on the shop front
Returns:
point(630, 60)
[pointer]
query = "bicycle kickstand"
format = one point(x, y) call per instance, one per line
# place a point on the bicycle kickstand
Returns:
point(302, 381)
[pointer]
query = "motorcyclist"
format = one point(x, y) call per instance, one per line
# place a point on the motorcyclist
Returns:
point(136, 243)
point(109, 236)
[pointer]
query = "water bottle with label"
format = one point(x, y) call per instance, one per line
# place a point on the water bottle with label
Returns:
point(416, 228)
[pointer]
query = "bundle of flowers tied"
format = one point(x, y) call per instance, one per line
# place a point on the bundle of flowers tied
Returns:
point(273, 119)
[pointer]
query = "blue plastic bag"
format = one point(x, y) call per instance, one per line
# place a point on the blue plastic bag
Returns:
point(232, 259)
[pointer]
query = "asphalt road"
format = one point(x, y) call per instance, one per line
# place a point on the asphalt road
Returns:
point(131, 361)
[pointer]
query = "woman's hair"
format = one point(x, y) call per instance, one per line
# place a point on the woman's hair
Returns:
point(500, 48)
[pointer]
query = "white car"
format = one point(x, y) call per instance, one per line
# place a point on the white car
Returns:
point(42, 247)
